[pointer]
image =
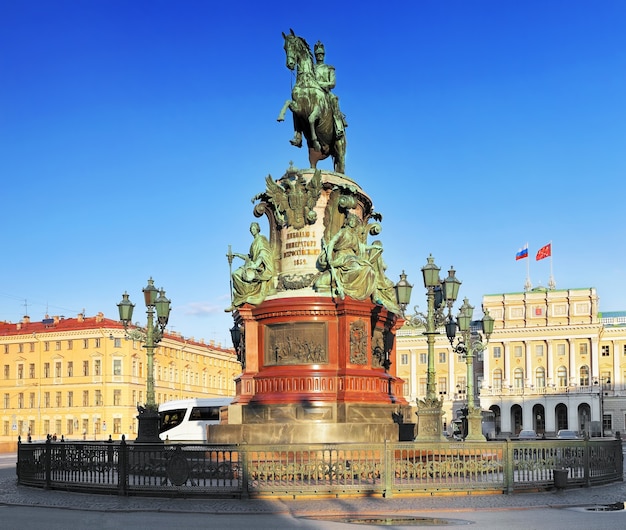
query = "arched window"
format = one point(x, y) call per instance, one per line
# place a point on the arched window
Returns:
point(497, 379)
point(561, 376)
point(519, 378)
point(584, 375)
point(540, 377)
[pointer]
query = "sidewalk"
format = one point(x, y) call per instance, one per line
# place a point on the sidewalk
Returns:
point(12, 494)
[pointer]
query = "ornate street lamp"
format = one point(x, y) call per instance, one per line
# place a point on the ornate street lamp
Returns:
point(468, 345)
point(403, 292)
point(148, 430)
point(439, 294)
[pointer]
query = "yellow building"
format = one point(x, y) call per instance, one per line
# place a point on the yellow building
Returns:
point(84, 377)
point(553, 362)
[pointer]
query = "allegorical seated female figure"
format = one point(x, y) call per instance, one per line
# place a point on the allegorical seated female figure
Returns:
point(253, 281)
point(348, 268)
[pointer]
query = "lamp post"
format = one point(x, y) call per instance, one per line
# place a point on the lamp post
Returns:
point(467, 347)
point(155, 300)
point(439, 294)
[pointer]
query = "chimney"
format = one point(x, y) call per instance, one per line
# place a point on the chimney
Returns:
point(56, 319)
point(26, 319)
point(80, 317)
point(100, 317)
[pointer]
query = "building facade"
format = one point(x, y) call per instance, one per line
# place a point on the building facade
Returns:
point(83, 377)
point(553, 362)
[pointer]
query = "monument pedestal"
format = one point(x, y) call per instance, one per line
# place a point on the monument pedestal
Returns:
point(315, 372)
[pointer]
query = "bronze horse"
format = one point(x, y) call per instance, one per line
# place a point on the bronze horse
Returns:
point(311, 108)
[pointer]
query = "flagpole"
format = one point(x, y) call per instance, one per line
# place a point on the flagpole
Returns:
point(527, 284)
point(551, 283)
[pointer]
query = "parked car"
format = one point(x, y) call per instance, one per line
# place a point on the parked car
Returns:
point(565, 434)
point(527, 434)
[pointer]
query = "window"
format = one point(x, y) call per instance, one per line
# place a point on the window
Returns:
point(423, 358)
point(539, 350)
point(605, 351)
point(85, 398)
point(46, 369)
point(70, 426)
point(584, 376)
point(58, 399)
point(6, 348)
point(117, 366)
point(31, 400)
point(607, 423)
point(117, 425)
point(70, 368)
point(20, 371)
point(96, 367)
point(442, 385)
point(20, 348)
point(32, 347)
point(85, 344)
point(7, 401)
point(560, 350)
point(582, 348)
point(70, 344)
point(85, 368)
point(46, 426)
point(31, 370)
point(404, 359)
point(57, 369)
point(117, 342)
point(117, 397)
point(497, 352)
point(422, 386)
point(57, 345)
point(97, 341)
point(461, 385)
point(7, 371)
point(561, 376)
point(98, 398)
point(497, 379)
point(20, 400)
point(442, 356)
point(518, 378)
point(46, 400)
point(517, 351)
point(540, 377)
point(46, 346)
point(70, 399)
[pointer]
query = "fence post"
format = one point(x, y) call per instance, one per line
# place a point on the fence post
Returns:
point(587, 462)
point(122, 466)
point(509, 478)
point(243, 455)
point(388, 470)
point(48, 460)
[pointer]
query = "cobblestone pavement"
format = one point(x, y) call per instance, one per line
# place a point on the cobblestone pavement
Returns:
point(12, 494)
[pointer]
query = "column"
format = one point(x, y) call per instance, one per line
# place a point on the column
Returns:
point(506, 364)
point(528, 364)
point(549, 364)
point(595, 361)
point(572, 362)
point(616, 376)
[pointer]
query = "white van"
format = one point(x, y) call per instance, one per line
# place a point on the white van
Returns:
point(187, 420)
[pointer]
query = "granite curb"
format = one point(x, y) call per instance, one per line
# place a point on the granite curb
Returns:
point(12, 494)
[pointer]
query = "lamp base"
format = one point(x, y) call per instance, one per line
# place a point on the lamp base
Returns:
point(474, 426)
point(148, 428)
point(429, 421)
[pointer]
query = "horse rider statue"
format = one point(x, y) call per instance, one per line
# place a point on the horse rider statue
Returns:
point(325, 76)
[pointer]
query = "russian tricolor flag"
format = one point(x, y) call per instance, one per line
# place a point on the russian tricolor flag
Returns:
point(522, 253)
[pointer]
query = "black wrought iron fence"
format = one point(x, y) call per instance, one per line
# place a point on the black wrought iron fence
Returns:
point(318, 469)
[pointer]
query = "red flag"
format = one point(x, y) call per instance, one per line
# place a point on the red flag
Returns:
point(544, 252)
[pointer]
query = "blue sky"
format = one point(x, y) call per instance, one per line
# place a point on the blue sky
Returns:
point(133, 135)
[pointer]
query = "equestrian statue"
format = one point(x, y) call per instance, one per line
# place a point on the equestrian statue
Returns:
point(314, 107)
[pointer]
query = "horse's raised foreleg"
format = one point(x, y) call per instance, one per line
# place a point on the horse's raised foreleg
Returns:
point(281, 115)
